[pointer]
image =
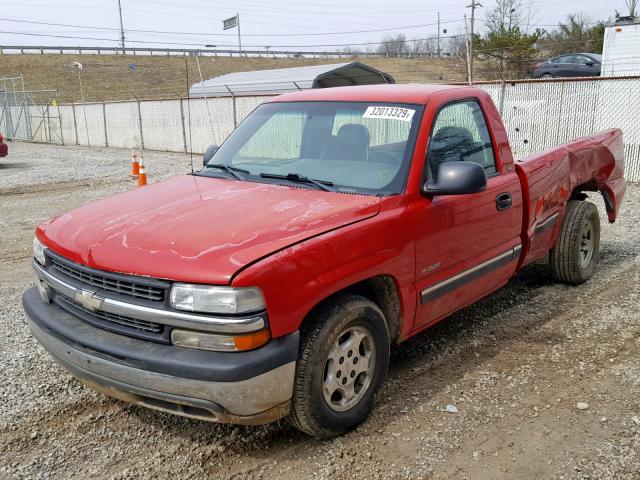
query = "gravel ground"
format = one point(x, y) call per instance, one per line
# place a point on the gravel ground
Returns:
point(514, 365)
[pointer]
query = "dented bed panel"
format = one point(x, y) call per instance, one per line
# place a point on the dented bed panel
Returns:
point(551, 178)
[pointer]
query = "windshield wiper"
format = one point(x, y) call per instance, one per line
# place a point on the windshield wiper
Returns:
point(233, 171)
point(296, 178)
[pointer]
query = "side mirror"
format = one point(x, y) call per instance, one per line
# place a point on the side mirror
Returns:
point(589, 64)
point(211, 151)
point(457, 178)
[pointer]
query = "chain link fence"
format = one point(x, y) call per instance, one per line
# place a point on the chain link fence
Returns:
point(174, 125)
point(537, 114)
point(542, 114)
point(28, 114)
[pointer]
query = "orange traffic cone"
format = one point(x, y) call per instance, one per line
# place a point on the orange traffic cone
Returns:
point(142, 176)
point(135, 166)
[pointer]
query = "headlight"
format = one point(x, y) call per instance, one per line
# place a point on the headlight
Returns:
point(211, 299)
point(38, 251)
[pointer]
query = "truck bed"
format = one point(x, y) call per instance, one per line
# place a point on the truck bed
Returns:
point(551, 178)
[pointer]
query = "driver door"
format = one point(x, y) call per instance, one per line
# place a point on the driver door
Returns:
point(466, 245)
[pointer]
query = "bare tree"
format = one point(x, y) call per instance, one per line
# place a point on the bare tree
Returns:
point(577, 34)
point(348, 50)
point(457, 47)
point(423, 46)
point(633, 7)
point(531, 11)
point(506, 14)
point(393, 45)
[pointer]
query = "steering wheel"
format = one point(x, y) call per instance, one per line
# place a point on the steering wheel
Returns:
point(385, 156)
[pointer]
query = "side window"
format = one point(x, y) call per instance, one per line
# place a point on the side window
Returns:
point(567, 59)
point(460, 134)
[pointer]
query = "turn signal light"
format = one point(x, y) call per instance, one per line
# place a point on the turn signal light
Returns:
point(255, 340)
point(219, 343)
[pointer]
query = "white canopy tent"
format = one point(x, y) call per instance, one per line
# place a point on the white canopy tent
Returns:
point(282, 80)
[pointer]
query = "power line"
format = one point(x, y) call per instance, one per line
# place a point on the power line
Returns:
point(381, 42)
point(259, 6)
point(225, 45)
point(261, 9)
point(60, 24)
point(406, 27)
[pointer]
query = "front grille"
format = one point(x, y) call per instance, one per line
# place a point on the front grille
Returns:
point(121, 320)
point(98, 279)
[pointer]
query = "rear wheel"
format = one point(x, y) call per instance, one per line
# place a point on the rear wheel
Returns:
point(344, 354)
point(577, 249)
point(547, 76)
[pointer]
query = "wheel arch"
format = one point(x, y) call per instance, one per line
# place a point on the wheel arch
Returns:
point(382, 290)
point(580, 193)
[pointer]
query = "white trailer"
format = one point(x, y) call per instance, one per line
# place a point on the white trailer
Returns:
point(621, 49)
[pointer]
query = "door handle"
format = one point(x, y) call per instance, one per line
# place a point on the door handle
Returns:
point(504, 201)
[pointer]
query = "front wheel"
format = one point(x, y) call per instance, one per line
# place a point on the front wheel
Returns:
point(577, 249)
point(343, 360)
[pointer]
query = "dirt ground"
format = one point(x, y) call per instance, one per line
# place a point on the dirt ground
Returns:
point(514, 365)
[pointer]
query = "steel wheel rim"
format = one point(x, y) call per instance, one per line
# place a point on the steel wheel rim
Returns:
point(587, 244)
point(349, 368)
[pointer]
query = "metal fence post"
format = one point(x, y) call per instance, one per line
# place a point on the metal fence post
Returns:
point(59, 121)
point(560, 110)
point(48, 125)
point(75, 122)
point(235, 112)
point(7, 117)
point(594, 115)
point(140, 124)
point(104, 121)
point(235, 108)
point(503, 86)
point(184, 131)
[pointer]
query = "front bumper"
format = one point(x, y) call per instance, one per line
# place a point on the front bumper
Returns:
point(252, 387)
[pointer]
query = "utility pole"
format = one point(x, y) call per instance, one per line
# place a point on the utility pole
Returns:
point(239, 37)
point(121, 27)
point(473, 6)
point(466, 32)
point(438, 48)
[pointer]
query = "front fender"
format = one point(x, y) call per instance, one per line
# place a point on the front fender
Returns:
point(299, 277)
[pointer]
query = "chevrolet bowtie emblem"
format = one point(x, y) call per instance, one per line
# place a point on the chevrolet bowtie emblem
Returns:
point(87, 299)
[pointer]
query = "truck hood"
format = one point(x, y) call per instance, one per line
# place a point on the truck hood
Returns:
point(197, 229)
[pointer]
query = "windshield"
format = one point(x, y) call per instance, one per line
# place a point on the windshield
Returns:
point(362, 147)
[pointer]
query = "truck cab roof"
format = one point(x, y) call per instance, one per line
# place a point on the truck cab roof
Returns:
point(412, 93)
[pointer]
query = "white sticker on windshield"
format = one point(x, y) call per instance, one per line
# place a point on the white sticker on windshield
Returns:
point(390, 113)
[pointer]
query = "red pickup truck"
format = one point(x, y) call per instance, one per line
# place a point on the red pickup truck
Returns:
point(4, 148)
point(329, 226)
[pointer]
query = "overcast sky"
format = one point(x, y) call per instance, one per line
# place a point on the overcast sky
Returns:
point(325, 24)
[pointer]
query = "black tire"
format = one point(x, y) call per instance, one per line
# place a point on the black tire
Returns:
point(568, 259)
point(547, 76)
point(329, 324)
